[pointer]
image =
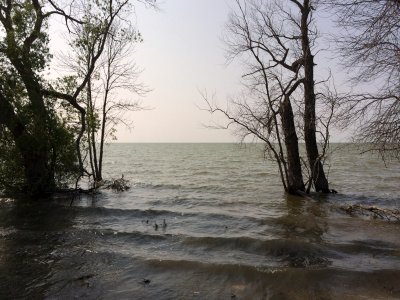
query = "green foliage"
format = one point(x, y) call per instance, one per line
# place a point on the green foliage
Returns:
point(93, 120)
point(11, 167)
point(52, 132)
point(63, 158)
point(41, 123)
point(23, 21)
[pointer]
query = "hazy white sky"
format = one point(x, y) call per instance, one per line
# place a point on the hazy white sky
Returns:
point(182, 53)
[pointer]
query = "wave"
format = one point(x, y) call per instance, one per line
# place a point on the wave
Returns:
point(196, 173)
point(133, 213)
point(289, 252)
point(215, 268)
point(372, 247)
point(124, 237)
point(145, 214)
point(276, 247)
point(157, 186)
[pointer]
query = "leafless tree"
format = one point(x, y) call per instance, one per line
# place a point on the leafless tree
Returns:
point(118, 73)
point(369, 46)
point(274, 39)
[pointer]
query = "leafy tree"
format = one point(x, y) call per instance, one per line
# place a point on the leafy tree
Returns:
point(115, 72)
point(24, 53)
point(29, 105)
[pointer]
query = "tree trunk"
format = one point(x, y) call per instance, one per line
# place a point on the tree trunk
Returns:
point(90, 154)
point(317, 171)
point(33, 144)
point(295, 177)
point(91, 133)
point(102, 137)
point(38, 174)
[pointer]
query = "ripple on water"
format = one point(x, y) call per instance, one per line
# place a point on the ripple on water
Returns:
point(230, 231)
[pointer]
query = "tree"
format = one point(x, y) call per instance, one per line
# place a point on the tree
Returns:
point(369, 46)
point(273, 38)
point(29, 116)
point(307, 59)
point(116, 72)
point(25, 115)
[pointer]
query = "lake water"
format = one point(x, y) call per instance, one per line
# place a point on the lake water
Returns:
point(231, 232)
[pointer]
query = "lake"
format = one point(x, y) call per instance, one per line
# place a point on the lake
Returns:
point(225, 230)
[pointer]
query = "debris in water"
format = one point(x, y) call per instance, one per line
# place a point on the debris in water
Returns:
point(372, 211)
point(118, 185)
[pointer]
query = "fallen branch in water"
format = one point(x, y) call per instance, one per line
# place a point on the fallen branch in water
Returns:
point(118, 185)
point(372, 211)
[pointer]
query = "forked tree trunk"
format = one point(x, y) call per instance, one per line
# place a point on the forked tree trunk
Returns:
point(317, 171)
point(295, 178)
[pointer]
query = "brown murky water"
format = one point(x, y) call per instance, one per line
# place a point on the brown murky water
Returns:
point(230, 232)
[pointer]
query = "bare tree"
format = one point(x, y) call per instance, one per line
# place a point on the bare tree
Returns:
point(307, 35)
point(369, 45)
point(274, 39)
point(256, 33)
point(118, 73)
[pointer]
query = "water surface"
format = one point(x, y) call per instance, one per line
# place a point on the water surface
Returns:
point(230, 231)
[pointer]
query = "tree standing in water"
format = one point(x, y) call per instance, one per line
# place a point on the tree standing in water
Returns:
point(115, 72)
point(307, 58)
point(31, 114)
point(274, 39)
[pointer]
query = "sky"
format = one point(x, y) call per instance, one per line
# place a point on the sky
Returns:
point(181, 55)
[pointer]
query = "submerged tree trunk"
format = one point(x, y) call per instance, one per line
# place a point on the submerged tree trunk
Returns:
point(295, 178)
point(102, 135)
point(34, 147)
point(34, 143)
point(317, 171)
point(34, 150)
point(38, 174)
point(91, 132)
point(104, 121)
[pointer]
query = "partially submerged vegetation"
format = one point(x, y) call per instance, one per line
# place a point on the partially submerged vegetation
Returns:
point(283, 104)
point(53, 131)
point(49, 128)
point(119, 185)
point(386, 214)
